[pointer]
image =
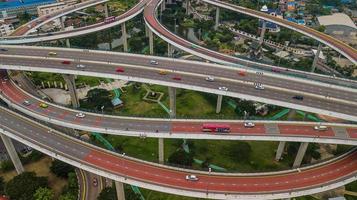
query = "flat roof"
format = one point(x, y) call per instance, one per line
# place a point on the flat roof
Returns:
point(336, 19)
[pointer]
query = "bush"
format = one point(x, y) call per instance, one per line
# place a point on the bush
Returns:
point(240, 151)
point(180, 157)
point(61, 169)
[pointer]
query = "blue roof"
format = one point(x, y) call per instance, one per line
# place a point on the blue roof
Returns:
point(8, 4)
point(268, 25)
point(117, 102)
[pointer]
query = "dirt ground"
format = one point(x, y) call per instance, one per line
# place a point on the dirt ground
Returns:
point(42, 168)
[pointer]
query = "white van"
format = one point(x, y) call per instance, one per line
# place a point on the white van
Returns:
point(320, 128)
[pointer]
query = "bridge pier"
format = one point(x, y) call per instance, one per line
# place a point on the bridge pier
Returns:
point(161, 150)
point(68, 43)
point(119, 186)
point(262, 33)
point(106, 13)
point(217, 19)
point(300, 155)
point(71, 83)
point(151, 41)
point(12, 153)
point(163, 6)
point(172, 95)
point(280, 150)
point(62, 23)
point(219, 103)
point(124, 37)
point(316, 58)
point(169, 50)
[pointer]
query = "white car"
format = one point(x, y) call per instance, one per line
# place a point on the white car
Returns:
point(223, 88)
point(154, 62)
point(210, 78)
point(81, 66)
point(80, 115)
point(249, 124)
point(259, 86)
point(26, 103)
point(320, 128)
point(191, 177)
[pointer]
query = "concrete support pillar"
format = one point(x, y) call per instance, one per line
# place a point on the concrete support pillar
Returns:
point(280, 150)
point(69, 78)
point(300, 155)
point(68, 43)
point(62, 19)
point(12, 153)
point(151, 41)
point(119, 186)
point(169, 1)
point(163, 6)
point(262, 33)
point(124, 37)
point(161, 150)
point(217, 19)
point(172, 95)
point(219, 103)
point(169, 50)
point(187, 5)
point(106, 10)
point(316, 58)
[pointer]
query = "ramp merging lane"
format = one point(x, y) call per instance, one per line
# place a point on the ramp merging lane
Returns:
point(318, 97)
point(168, 179)
point(148, 127)
point(154, 24)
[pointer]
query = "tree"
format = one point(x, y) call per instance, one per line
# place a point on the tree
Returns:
point(180, 157)
point(67, 196)
point(43, 194)
point(244, 105)
point(61, 169)
point(2, 185)
point(108, 193)
point(240, 151)
point(23, 186)
point(100, 97)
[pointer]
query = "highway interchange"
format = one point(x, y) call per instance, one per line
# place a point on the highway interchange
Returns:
point(338, 101)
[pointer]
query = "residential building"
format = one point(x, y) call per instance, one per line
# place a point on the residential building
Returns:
point(50, 8)
point(13, 8)
point(5, 29)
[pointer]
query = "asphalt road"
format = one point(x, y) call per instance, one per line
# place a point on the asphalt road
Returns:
point(90, 185)
point(328, 98)
point(150, 17)
point(314, 177)
point(147, 125)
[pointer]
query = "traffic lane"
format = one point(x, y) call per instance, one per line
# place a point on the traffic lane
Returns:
point(167, 177)
point(236, 128)
point(352, 132)
point(304, 131)
point(197, 68)
point(334, 42)
point(41, 136)
point(231, 184)
point(322, 103)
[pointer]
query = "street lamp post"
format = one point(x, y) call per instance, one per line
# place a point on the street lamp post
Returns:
point(123, 157)
point(170, 121)
point(209, 174)
point(102, 108)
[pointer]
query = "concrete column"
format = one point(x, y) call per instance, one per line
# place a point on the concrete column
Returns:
point(124, 37)
point(280, 150)
point(217, 19)
point(187, 5)
point(169, 50)
point(119, 186)
point(106, 10)
point(316, 58)
point(12, 153)
point(172, 95)
point(169, 1)
point(163, 6)
point(161, 150)
point(262, 33)
point(69, 78)
point(151, 42)
point(68, 43)
point(300, 155)
point(219, 103)
point(62, 19)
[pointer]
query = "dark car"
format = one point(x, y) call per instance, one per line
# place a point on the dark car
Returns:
point(2, 49)
point(298, 97)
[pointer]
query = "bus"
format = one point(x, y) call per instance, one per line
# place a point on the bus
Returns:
point(109, 19)
point(218, 128)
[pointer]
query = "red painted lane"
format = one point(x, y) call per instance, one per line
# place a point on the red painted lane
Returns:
point(304, 131)
point(229, 184)
point(236, 128)
point(97, 122)
point(352, 132)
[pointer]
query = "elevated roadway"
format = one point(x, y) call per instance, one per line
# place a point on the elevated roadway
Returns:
point(339, 46)
point(38, 22)
point(25, 39)
point(318, 97)
point(156, 27)
point(283, 184)
point(175, 128)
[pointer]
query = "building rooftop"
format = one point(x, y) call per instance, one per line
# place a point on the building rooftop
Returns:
point(336, 19)
point(8, 4)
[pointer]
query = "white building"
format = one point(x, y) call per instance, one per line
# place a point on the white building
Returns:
point(5, 29)
point(50, 8)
